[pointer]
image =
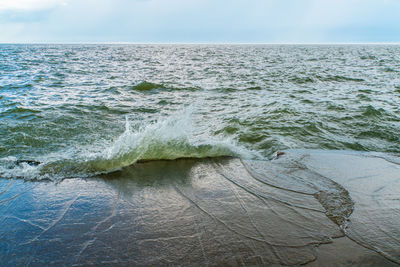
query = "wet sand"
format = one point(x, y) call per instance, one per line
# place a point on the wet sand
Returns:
point(306, 207)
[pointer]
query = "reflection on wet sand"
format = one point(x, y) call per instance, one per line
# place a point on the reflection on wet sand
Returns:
point(299, 209)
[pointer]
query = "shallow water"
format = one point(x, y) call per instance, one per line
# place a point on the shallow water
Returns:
point(216, 211)
point(87, 109)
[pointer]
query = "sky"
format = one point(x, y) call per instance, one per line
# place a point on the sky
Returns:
point(199, 21)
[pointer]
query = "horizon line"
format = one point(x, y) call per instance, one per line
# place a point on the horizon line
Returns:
point(200, 43)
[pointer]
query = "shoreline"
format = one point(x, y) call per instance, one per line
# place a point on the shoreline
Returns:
point(206, 212)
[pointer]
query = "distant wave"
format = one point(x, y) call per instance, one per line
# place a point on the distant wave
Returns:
point(149, 86)
point(312, 78)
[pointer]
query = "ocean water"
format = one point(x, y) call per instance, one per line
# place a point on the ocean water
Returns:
point(83, 110)
point(106, 123)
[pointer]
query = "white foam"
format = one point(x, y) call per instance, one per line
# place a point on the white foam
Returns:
point(176, 136)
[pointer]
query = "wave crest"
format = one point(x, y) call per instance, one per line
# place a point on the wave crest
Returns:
point(168, 139)
point(173, 138)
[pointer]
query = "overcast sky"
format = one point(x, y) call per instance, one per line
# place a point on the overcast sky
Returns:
point(200, 21)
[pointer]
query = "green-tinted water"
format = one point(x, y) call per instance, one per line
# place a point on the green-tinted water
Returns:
point(84, 109)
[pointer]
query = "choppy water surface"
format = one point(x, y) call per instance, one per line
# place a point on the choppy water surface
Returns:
point(85, 109)
point(78, 111)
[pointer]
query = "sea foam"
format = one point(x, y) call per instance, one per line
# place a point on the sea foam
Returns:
point(174, 137)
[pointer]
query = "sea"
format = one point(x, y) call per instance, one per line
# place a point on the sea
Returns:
point(81, 110)
point(192, 155)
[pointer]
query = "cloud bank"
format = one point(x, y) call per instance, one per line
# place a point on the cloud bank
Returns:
point(221, 21)
point(28, 5)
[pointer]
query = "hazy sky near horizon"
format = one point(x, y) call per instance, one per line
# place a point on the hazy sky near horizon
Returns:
point(200, 21)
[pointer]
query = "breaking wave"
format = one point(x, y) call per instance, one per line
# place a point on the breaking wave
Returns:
point(172, 138)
